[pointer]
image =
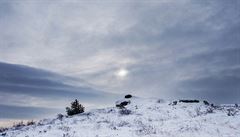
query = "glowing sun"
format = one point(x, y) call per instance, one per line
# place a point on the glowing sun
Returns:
point(122, 73)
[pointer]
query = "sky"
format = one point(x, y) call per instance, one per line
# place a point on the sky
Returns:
point(52, 52)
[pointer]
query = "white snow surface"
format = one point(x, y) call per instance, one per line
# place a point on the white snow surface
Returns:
point(148, 118)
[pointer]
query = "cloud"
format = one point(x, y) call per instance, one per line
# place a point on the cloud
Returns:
point(163, 45)
point(30, 89)
point(219, 89)
point(19, 112)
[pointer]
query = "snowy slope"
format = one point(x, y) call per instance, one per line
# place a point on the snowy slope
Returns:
point(148, 117)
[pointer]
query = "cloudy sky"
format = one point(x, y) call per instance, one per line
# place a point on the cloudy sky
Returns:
point(54, 51)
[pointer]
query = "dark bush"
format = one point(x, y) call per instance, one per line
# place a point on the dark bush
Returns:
point(189, 101)
point(123, 104)
point(173, 103)
point(76, 108)
point(3, 129)
point(160, 101)
point(19, 125)
point(30, 123)
point(60, 117)
point(128, 96)
point(206, 103)
point(125, 111)
point(231, 112)
point(210, 110)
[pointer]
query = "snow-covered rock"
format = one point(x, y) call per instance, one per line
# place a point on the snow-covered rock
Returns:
point(148, 117)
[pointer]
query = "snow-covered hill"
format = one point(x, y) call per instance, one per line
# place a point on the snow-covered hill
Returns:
point(142, 117)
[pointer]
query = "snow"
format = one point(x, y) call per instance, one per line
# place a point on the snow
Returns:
point(148, 118)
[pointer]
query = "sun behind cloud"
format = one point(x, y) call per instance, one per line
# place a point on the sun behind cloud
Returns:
point(121, 73)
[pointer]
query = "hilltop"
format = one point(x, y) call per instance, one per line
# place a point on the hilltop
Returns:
point(141, 117)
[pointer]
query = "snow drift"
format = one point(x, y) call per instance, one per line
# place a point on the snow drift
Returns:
point(141, 117)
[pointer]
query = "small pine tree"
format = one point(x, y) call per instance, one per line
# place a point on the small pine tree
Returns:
point(76, 108)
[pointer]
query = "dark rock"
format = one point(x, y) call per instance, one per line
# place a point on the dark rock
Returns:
point(128, 96)
point(189, 101)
